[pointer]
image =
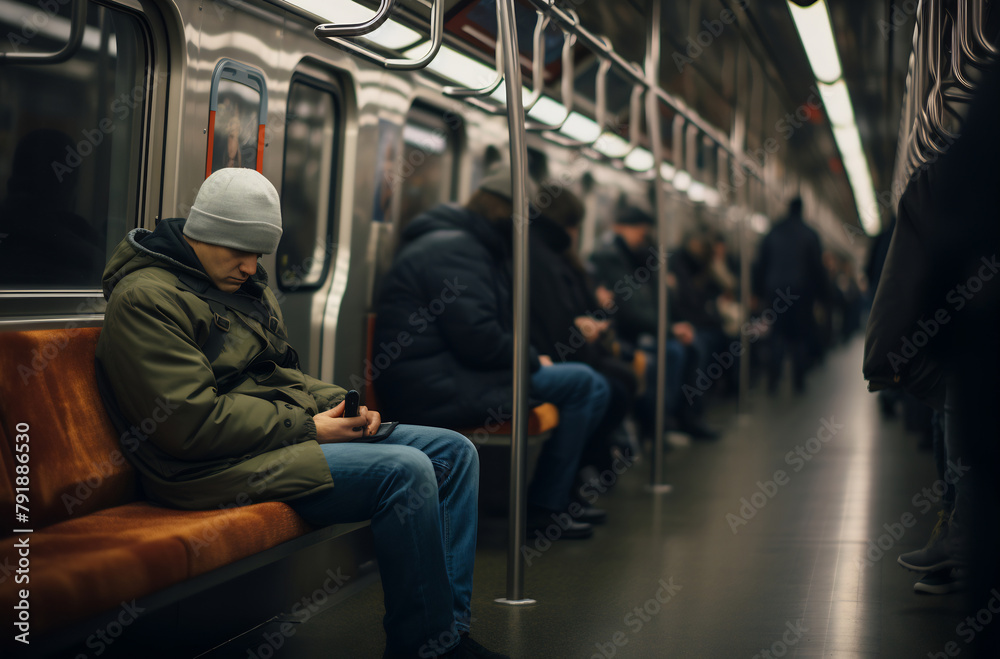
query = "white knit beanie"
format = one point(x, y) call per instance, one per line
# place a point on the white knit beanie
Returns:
point(236, 208)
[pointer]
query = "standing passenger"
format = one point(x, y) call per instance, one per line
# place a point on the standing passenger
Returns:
point(190, 319)
point(790, 278)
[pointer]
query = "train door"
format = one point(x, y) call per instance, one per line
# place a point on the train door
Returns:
point(310, 184)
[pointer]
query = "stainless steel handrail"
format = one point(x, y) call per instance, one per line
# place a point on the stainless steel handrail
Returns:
point(566, 83)
point(978, 33)
point(657, 484)
point(568, 21)
point(77, 26)
point(437, 38)
point(357, 29)
point(537, 62)
point(634, 112)
point(464, 92)
point(601, 93)
point(507, 33)
point(601, 100)
point(958, 26)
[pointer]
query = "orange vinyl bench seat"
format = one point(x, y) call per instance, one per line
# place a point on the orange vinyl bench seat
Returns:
point(542, 420)
point(95, 544)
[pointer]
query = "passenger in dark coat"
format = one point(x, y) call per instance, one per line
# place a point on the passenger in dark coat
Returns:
point(567, 322)
point(693, 300)
point(628, 264)
point(446, 309)
point(790, 278)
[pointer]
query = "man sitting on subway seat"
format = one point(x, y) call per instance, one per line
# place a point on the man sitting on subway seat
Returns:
point(455, 368)
point(190, 319)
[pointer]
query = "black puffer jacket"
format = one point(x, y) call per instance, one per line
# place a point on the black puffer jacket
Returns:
point(445, 323)
point(936, 307)
point(558, 296)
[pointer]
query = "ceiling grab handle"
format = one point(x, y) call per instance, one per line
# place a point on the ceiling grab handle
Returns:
point(565, 84)
point(978, 18)
point(634, 126)
point(601, 92)
point(931, 126)
point(635, 111)
point(78, 23)
point(538, 76)
point(357, 29)
point(917, 157)
point(959, 26)
point(329, 32)
point(537, 63)
point(489, 88)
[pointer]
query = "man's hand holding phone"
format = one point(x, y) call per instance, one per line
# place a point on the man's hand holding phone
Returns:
point(347, 421)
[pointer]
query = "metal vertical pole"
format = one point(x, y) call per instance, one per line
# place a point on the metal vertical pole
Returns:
point(507, 39)
point(653, 127)
point(740, 123)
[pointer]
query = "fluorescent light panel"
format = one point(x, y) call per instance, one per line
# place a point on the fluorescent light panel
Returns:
point(858, 175)
point(682, 181)
point(500, 93)
point(453, 65)
point(611, 145)
point(813, 24)
point(581, 128)
point(837, 103)
point(548, 111)
point(640, 160)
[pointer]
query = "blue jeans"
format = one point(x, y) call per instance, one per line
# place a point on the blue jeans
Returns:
point(676, 364)
point(581, 394)
point(419, 487)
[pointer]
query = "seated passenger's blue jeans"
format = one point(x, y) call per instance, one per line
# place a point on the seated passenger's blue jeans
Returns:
point(647, 403)
point(581, 394)
point(419, 487)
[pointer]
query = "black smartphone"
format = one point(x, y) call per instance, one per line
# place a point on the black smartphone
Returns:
point(384, 430)
point(352, 403)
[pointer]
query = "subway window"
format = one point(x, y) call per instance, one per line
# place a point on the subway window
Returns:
point(309, 183)
point(237, 111)
point(73, 91)
point(427, 169)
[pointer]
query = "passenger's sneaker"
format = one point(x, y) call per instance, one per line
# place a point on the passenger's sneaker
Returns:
point(941, 582)
point(940, 553)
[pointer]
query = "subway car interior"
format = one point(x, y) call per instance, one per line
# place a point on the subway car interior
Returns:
point(753, 235)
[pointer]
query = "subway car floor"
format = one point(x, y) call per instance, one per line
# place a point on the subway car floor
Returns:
point(781, 536)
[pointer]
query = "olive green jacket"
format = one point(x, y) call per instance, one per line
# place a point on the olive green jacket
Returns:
point(195, 445)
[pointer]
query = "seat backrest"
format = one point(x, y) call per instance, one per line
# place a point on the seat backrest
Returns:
point(49, 401)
